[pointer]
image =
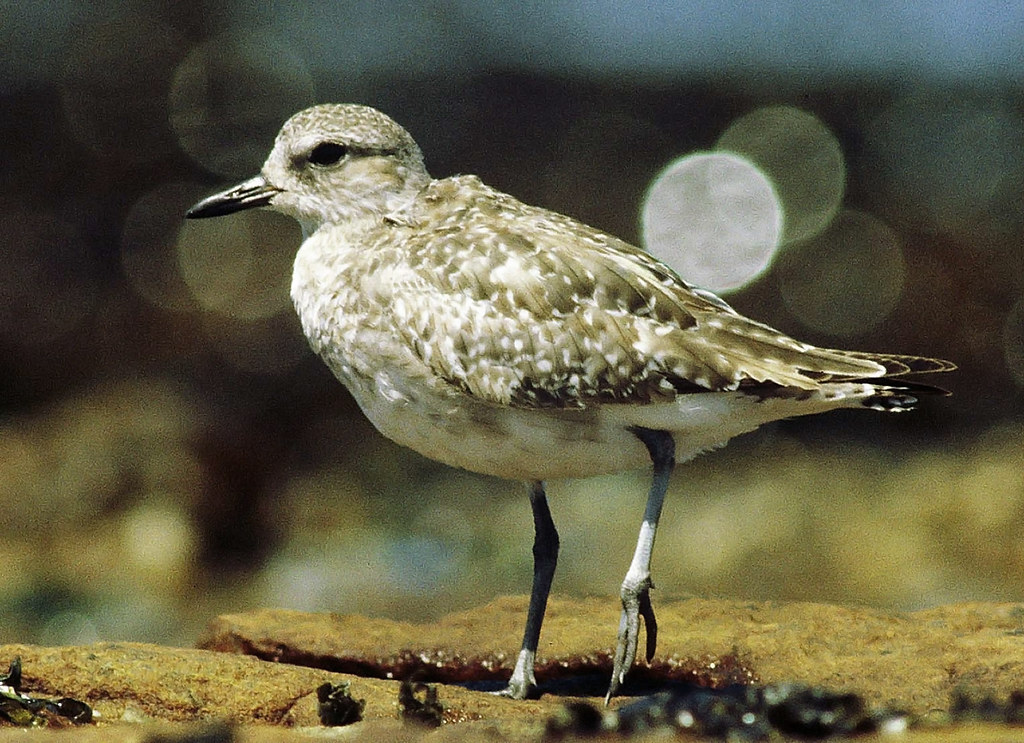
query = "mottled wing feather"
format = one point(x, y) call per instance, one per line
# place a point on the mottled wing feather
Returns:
point(554, 312)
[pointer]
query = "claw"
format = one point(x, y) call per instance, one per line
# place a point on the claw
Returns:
point(636, 603)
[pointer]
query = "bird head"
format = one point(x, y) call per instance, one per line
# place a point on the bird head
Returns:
point(330, 164)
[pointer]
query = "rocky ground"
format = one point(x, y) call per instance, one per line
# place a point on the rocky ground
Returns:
point(255, 676)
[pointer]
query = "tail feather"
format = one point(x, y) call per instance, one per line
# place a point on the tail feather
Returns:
point(916, 388)
point(890, 401)
point(897, 395)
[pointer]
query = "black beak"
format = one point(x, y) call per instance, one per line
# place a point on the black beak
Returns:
point(246, 195)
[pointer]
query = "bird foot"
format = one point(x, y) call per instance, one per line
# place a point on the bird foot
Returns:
point(519, 690)
point(636, 603)
point(522, 684)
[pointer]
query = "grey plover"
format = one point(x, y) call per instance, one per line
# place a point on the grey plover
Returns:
point(513, 341)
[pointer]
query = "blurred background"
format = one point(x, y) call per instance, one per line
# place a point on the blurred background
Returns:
point(170, 449)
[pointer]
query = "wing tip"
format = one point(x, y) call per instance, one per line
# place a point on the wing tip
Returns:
point(898, 365)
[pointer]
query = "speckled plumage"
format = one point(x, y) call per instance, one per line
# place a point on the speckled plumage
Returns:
point(513, 341)
point(520, 306)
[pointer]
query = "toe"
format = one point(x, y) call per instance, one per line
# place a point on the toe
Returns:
point(650, 624)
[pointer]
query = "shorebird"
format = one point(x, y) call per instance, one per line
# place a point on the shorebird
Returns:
point(517, 342)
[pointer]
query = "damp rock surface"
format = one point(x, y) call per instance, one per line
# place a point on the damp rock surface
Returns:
point(916, 660)
point(256, 675)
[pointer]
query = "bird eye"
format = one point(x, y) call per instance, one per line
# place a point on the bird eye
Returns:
point(327, 153)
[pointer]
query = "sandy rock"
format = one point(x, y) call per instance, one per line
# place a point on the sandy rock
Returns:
point(911, 661)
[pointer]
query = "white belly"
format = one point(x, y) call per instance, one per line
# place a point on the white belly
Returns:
point(502, 441)
point(549, 443)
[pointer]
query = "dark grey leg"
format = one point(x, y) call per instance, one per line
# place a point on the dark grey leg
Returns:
point(636, 598)
point(523, 683)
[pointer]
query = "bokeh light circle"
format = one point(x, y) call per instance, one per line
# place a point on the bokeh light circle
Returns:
point(800, 156)
point(714, 218)
point(230, 96)
point(955, 164)
point(239, 267)
point(847, 280)
point(149, 251)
